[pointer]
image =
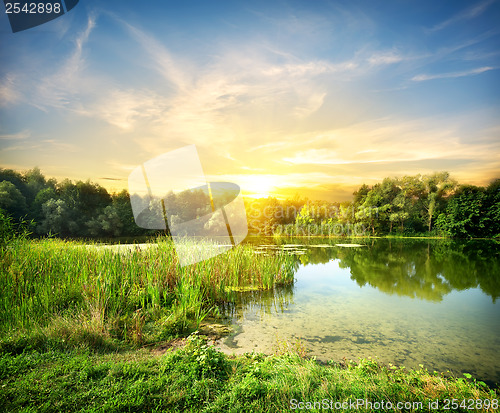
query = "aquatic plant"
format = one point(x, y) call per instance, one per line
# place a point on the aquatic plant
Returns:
point(134, 293)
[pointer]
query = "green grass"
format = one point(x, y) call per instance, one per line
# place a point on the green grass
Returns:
point(198, 378)
point(74, 322)
point(65, 293)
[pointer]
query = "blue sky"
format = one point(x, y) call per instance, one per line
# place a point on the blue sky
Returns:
point(309, 97)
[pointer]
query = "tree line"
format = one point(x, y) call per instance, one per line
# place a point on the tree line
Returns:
point(416, 205)
point(66, 209)
point(411, 205)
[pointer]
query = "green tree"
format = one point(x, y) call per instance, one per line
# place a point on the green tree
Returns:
point(305, 216)
point(377, 205)
point(35, 183)
point(273, 214)
point(291, 208)
point(360, 195)
point(58, 219)
point(17, 179)
point(108, 223)
point(401, 206)
point(81, 203)
point(434, 188)
point(121, 204)
point(465, 213)
point(492, 209)
point(41, 197)
point(12, 200)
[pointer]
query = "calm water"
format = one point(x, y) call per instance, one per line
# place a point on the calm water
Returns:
point(406, 302)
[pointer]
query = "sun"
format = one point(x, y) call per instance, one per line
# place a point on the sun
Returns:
point(258, 186)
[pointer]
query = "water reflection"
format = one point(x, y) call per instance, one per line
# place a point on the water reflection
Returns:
point(403, 301)
point(427, 269)
point(259, 302)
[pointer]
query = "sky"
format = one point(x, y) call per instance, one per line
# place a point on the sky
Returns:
point(304, 97)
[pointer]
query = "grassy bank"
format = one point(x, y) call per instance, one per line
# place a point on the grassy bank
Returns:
point(197, 378)
point(66, 293)
point(84, 328)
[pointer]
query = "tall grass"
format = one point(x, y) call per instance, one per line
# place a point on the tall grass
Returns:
point(69, 290)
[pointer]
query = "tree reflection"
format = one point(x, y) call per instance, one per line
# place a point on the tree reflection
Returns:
point(407, 270)
point(425, 269)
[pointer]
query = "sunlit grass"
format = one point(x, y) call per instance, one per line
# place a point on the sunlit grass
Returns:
point(61, 299)
point(198, 378)
point(69, 290)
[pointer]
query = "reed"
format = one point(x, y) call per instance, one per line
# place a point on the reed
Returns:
point(139, 294)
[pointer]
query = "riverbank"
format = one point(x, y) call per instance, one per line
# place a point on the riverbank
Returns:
point(57, 290)
point(89, 329)
point(370, 236)
point(197, 378)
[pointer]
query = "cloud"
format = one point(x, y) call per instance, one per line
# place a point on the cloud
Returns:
point(52, 89)
point(315, 156)
point(390, 141)
point(311, 68)
point(121, 167)
point(255, 182)
point(124, 108)
point(311, 104)
point(275, 145)
point(204, 104)
point(168, 66)
point(42, 146)
point(467, 14)
point(235, 87)
point(9, 93)
point(466, 44)
point(472, 72)
point(59, 88)
point(16, 136)
point(385, 58)
point(105, 178)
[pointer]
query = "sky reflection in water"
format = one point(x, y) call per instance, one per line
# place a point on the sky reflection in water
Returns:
point(406, 302)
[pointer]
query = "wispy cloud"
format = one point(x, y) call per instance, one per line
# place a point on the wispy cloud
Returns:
point(472, 72)
point(168, 66)
point(57, 89)
point(49, 88)
point(111, 179)
point(316, 156)
point(120, 167)
point(16, 136)
point(466, 44)
point(271, 145)
point(385, 58)
point(9, 93)
point(43, 146)
point(123, 108)
point(391, 141)
point(467, 14)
